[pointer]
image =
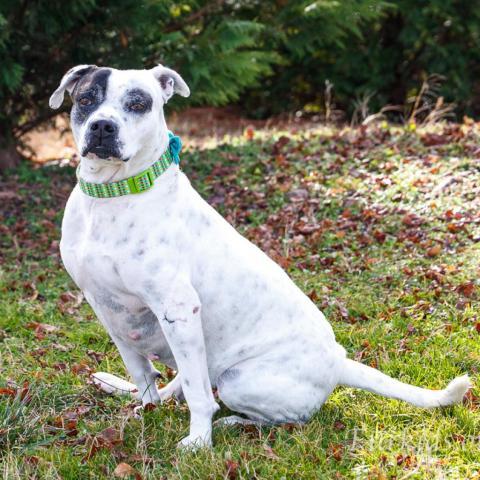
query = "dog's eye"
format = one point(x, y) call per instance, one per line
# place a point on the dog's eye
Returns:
point(85, 101)
point(137, 107)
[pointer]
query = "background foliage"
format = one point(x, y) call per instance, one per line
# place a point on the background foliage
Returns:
point(268, 56)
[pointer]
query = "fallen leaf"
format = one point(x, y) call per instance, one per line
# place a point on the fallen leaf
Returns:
point(269, 453)
point(31, 460)
point(8, 391)
point(108, 439)
point(149, 407)
point(232, 469)
point(335, 450)
point(81, 368)
point(96, 356)
point(338, 425)
point(41, 329)
point(68, 302)
point(31, 289)
point(434, 251)
point(110, 435)
point(466, 289)
point(124, 470)
point(412, 220)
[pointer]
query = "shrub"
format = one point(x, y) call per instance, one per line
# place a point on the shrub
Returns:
point(217, 53)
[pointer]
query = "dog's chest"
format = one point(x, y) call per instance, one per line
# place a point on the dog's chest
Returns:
point(106, 244)
point(108, 251)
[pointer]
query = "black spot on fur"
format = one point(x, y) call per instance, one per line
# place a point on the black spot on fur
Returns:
point(80, 73)
point(137, 101)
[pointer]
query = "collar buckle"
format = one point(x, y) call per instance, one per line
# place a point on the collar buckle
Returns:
point(141, 182)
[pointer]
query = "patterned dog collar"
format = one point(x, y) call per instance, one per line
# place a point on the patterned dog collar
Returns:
point(139, 183)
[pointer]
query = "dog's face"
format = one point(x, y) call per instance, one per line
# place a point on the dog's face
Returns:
point(117, 113)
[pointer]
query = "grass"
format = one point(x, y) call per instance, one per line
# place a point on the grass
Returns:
point(380, 227)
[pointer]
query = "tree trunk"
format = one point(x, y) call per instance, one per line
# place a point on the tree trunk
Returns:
point(9, 156)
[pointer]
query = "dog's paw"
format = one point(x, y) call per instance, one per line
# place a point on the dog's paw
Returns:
point(195, 442)
point(166, 393)
point(109, 383)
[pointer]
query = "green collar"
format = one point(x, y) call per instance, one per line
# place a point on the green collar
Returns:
point(139, 183)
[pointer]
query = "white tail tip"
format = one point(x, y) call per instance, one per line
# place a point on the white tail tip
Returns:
point(455, 390)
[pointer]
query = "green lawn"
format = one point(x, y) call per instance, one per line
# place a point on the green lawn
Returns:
point(380, 227)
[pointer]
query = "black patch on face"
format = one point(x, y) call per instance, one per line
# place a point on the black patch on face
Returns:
point(137, 101)
point(80, 73)
point(89, 93)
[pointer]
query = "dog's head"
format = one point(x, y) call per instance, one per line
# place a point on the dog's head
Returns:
point(116, 113)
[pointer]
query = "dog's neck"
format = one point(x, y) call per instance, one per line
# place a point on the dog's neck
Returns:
point(106, 171)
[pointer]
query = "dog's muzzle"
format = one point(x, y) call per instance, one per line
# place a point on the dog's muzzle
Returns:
point(102, 139)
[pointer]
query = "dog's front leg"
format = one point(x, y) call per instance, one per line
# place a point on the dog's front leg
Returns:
point(180, 319)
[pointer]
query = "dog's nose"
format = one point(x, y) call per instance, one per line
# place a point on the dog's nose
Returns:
point(104, 128)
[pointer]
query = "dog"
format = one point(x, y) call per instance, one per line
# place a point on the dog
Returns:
point(172, 281)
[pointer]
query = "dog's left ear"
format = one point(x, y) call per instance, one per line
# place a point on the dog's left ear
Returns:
point(170, 82)
point(68, 82)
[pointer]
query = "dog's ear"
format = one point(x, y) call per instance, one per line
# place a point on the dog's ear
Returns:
point(68, 83)
point(170, 82)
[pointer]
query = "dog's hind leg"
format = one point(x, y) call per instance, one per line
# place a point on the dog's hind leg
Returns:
point(269, 396)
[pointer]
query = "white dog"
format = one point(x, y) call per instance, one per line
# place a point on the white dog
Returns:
point(172, 281)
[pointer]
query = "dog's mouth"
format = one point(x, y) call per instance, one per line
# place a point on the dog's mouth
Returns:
point(102, 152)
point(105, 152)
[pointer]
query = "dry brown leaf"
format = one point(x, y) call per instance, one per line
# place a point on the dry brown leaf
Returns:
point(43, 327)
point(232, 469)
point(434, 251)
point(335, 450)
point(466, 289)
point(338, 425)
point(8, 391)
point(108, 438)
point(124, 470)
point(269, 453)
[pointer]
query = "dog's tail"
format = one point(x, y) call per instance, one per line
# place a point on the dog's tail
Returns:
point(355, 374)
